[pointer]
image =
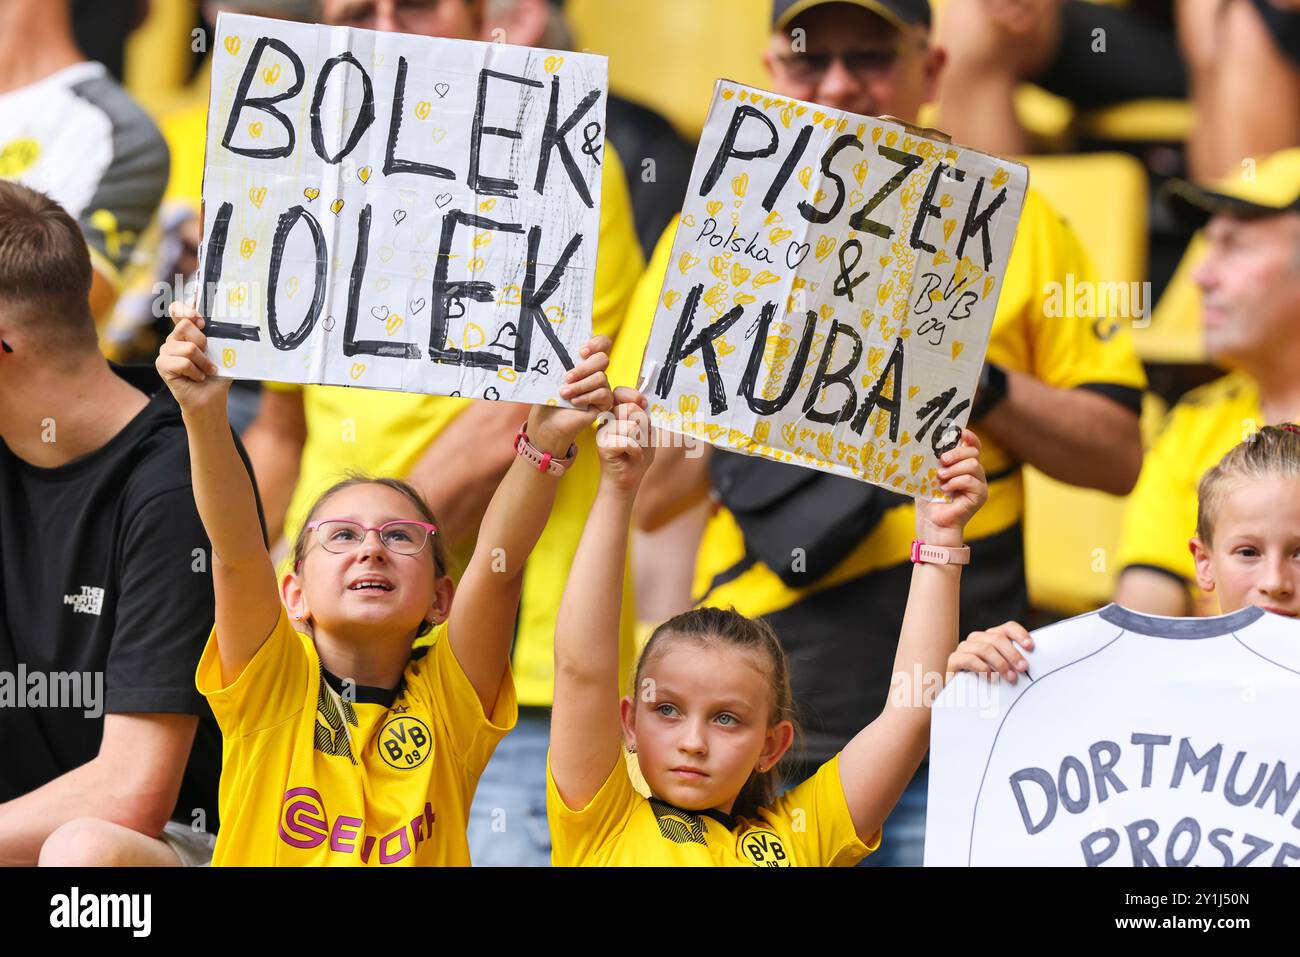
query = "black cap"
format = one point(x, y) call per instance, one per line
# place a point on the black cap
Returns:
point(901, 13)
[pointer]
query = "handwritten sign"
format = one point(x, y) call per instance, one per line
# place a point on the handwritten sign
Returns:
point(831, 289)
point(400, 212)
point(1135, 741)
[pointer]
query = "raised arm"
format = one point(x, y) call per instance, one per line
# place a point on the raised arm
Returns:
point(482, 621)
point(585, 731)
point(877, 764)
point(243, 579)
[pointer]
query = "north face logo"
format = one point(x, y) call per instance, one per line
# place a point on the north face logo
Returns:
point(89, 602)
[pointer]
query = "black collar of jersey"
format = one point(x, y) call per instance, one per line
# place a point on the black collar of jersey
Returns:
point(722, 817)
point(372, 694)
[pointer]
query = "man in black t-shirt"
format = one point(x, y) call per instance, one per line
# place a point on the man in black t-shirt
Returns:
point(109, 754)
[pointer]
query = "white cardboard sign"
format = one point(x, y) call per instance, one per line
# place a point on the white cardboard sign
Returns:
point(831, 289)
point(400, 212)
point(1135, 741)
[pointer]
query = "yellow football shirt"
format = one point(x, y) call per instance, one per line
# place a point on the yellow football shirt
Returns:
point(386, 433)
point(312, 778)
point(1069, 350)
point(808, 826)
point(1160, 516)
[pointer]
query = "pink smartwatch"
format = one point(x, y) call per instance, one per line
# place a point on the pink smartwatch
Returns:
point(544, 461)
point(940, 554)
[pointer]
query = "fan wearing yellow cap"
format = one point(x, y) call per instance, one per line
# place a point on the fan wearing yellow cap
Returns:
point(1250, 287)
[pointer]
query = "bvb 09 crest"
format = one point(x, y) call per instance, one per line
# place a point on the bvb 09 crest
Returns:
point(405, 742)
point(763, 848)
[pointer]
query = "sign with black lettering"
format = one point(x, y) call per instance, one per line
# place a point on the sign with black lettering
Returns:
point(399, 212)
point(831, 290)
point(1133, 741)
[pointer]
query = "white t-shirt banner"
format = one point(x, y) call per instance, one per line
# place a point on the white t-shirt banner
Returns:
point(1135, 741)
point(831, 290)
point(400, 212)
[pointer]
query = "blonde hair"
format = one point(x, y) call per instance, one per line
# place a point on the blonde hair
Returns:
point(718, 626)
point(1273, 451)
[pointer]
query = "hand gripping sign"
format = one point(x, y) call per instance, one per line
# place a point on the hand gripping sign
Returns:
point(399, 212)
point(831, 290)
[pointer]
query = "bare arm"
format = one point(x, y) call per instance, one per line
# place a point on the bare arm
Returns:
point(677, 481)
point(585, 731)
point(461, 470)
point(482, 621)
point(133, 781)
point(877, 764)
point(1152, 593)
point(243, 579)
point(1072, 435)
point(274, 442)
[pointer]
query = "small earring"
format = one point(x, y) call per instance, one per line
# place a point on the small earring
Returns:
point(631, 749)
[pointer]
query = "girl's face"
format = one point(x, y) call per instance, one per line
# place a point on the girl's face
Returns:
point(369, 590)
point(700, 724)
point(1255, 555)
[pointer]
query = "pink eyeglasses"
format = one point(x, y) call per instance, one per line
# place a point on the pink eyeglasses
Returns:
point(404, 537)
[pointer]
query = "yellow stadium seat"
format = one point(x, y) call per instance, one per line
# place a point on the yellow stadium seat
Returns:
point(1176, 334)
point(1138, 121)
point(667, 55)
point(1072, 535)
point(159, 54)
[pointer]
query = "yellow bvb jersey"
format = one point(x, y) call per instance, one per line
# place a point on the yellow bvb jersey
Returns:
point(808, 826)
point(312, 778)
point(1160, 517)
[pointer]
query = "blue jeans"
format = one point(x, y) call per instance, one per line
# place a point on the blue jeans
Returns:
point(902, 843)
point(507, 821)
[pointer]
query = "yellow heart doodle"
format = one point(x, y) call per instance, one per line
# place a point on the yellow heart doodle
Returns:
point(487, 205)
point(255, 129)
point(787, 114)
point(382, 283)
point(482, 239)
point(875, 135)
point(271, 74)
point(363, 174)
point(357, 369)
point(237, 295)
point(957, 348)
point(476, 264)
point(311, 192)
point(511, 295)
point(825, 246)
point(671, 297)
point(762, 431)
point(553, 63)
point(293, 286)
point(773, 218)
point(779, 235)
point(912, 390)
point(688, 404)
point(232, 45)
point(439, 134)
point(714, 207)
point(687, 263)
point(718, 266)
point(555, 314)
point(508, 374)
point(728, 94)
point(385, 254)
point(805, 176)
point(393, 323)
point(228, 358)
point(474, 335)
point(336, 206)
point(246, 247)
point(743, 299)
point(689, 220)
point(738, 274)
point(765, 278)
point(940, 257)
point(1000, 177)
point(739, 184)
point(789, 433)
point(825, 444)
point(422, 109)
point(860, 171)
point(948, 226)
point(916, 462)
point(257, 195)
